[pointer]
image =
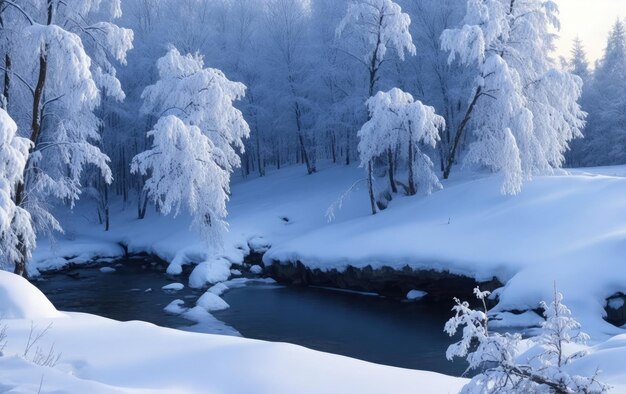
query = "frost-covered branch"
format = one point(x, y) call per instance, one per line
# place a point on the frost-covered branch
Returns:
point(502, 364)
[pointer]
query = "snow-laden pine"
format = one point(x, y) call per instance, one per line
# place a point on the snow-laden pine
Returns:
point(524, 111)
point(398, 121)
point(196, 141)
point(16, 231)
point(606, 104)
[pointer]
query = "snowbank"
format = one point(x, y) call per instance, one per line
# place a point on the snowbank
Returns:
point(21, 300)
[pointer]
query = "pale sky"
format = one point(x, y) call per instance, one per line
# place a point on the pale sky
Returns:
point(591, 20)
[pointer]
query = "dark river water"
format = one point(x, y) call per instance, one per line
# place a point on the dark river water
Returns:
point(372, 328)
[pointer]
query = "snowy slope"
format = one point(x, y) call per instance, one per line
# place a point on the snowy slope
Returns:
point(565, 229)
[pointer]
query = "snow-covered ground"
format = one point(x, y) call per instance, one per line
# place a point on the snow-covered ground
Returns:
point(568, 229)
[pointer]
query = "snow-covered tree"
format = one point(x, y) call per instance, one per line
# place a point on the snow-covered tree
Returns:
point(579, 64)
point(429, 76)
point(54, 87)
point(524, 111)
point(397, 120)
point(606, 104)
point(372, 28)
point(16, 232)
point(369, 30)
point(501, 361)
point(196, 141)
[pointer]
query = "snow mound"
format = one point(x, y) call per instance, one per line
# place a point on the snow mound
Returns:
point(258, 244)
point(256, 269)
point(175, 307)
point(107, 270)
point(211, 302)
point(212, 271)
point(21, 300)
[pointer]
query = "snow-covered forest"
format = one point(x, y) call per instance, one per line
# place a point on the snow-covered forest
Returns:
point(415, 150)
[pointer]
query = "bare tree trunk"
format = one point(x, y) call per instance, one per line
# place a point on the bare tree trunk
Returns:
point(333, 147)
point(305, 156)
point(20, 265)
point(391, 171)
point(7, 82)
point(142, 204)
point(106, 207)
point(370, 187)
point(260, 163)
point(412, 189)
point(459, 133)
point(347, 146)
point(125, 185)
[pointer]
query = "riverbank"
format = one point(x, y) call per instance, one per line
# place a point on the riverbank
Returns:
point(568, 229)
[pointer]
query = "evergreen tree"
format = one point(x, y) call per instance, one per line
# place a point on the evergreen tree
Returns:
point(579, 65)
point(606, 131)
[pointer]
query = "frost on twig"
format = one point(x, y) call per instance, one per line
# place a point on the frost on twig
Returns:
point(35, 353)
point(338, 204)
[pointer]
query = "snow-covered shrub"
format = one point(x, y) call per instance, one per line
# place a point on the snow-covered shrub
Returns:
point(503, 364)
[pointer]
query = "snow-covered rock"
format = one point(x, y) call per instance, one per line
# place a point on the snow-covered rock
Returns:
point(211, 302)
point(107, 270)
point(209, 272)
point(414, 295)
point(175, 307)
point(258, 244)
point(256, 269)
